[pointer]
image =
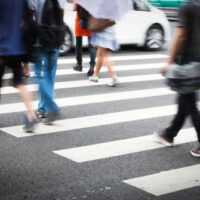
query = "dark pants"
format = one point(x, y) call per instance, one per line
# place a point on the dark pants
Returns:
point(92, 51)
point(186, 107)
point(14, 62)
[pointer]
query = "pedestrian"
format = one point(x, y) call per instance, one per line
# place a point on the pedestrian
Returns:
point(186, 49)
point(45, 58)
point(12, 51)
point(105, 42)
point(80, 32)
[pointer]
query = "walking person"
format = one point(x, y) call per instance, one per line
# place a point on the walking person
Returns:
point(187, 48)
point(105, 42)
point(45, 60)
point(80, 32)
point(12, 51)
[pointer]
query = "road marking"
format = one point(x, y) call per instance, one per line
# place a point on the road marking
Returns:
point(86, 83)
point(104, 69)
point(121, 147)
point(91, 99)
point(95, 120)
point(168, 181)
point(116, 58)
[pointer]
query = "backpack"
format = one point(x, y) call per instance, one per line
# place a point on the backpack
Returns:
point(52, 30)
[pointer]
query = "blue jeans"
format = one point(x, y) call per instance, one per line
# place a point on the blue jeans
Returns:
point(45, 65)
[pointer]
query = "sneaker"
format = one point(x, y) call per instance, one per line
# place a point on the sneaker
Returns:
point(163, 139)
point(29, 125)
point(51, 117)
point(78, 68)
point(114, 82)
point(94, 78)
point(90, 72)
point(196, 152)
point(41, 114)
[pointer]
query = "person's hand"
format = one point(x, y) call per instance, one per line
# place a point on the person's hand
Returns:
point(164, 70)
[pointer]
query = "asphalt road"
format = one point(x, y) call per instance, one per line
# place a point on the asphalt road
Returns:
point(103, 142)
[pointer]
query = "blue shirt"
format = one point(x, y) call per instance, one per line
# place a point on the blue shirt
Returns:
point(12, 12)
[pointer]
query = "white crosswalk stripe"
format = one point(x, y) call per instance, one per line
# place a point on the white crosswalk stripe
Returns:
point(168, 181)
point(90, 99)
point(161, 183)
point(117, 68)
point(87, 83)
point(120, 147)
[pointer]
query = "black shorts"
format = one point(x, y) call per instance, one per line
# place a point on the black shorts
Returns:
point(14, 62)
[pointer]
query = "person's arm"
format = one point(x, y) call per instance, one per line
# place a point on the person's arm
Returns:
point(179, 42)
point(180, 38)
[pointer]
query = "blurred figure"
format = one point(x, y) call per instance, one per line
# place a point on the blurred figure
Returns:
point(12, 50)
point(45, 59)
point(80, 32)
point(186, 49)
point(105, 42)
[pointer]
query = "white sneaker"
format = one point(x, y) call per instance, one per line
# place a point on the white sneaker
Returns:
point(94, 78)
point(114, 82)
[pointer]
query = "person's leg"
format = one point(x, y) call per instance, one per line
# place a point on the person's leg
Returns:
point(100, 60)
point(109, 64)
point(15, 64)
point(92, 51)
point(194, 113)
point(46, 83)
point(38, 59)
point(166, 137)
point(179, 118)
point(26, 69)
point(195, 117)
point(78, 51)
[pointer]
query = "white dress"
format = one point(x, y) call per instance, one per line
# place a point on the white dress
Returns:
point(106, 39)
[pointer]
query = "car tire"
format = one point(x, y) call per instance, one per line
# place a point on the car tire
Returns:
point(67, 46)
point(154, 38)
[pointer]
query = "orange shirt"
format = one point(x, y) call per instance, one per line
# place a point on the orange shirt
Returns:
point(80, 31)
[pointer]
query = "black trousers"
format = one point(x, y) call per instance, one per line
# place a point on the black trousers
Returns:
point(92, 51)
point(186, 107)
point(14, 62)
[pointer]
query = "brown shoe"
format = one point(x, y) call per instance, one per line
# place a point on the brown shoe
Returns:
point(196, 152)
point(163, 139)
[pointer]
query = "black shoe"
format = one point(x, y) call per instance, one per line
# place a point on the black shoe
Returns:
point(51, 117)
point(90, 72)
point(41, 114)
point(78, 68)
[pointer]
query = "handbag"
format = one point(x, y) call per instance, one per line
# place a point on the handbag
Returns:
point(184, 78)
point(97, 24)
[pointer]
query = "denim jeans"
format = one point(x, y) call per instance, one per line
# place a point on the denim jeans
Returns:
point(45, 65)
point(186, 107)
point(92, 51)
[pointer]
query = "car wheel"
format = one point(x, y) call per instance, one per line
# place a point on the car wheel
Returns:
point(66, 47)
point(154, 38)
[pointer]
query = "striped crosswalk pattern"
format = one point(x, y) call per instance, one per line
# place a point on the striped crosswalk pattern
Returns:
point(161, 183)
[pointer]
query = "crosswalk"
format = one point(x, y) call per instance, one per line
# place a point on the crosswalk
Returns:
point(161, 183)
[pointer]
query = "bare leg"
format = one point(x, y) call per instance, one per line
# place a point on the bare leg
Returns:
point(26, 69)
point(100, 60)
point(109, 64)
point(26, 98)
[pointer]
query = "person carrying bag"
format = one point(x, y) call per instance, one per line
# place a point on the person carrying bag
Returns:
point(183, 74)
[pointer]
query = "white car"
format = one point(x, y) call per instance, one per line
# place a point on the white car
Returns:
point(144, 26)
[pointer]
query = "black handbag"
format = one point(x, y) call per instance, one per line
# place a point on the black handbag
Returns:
point(184, 78)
